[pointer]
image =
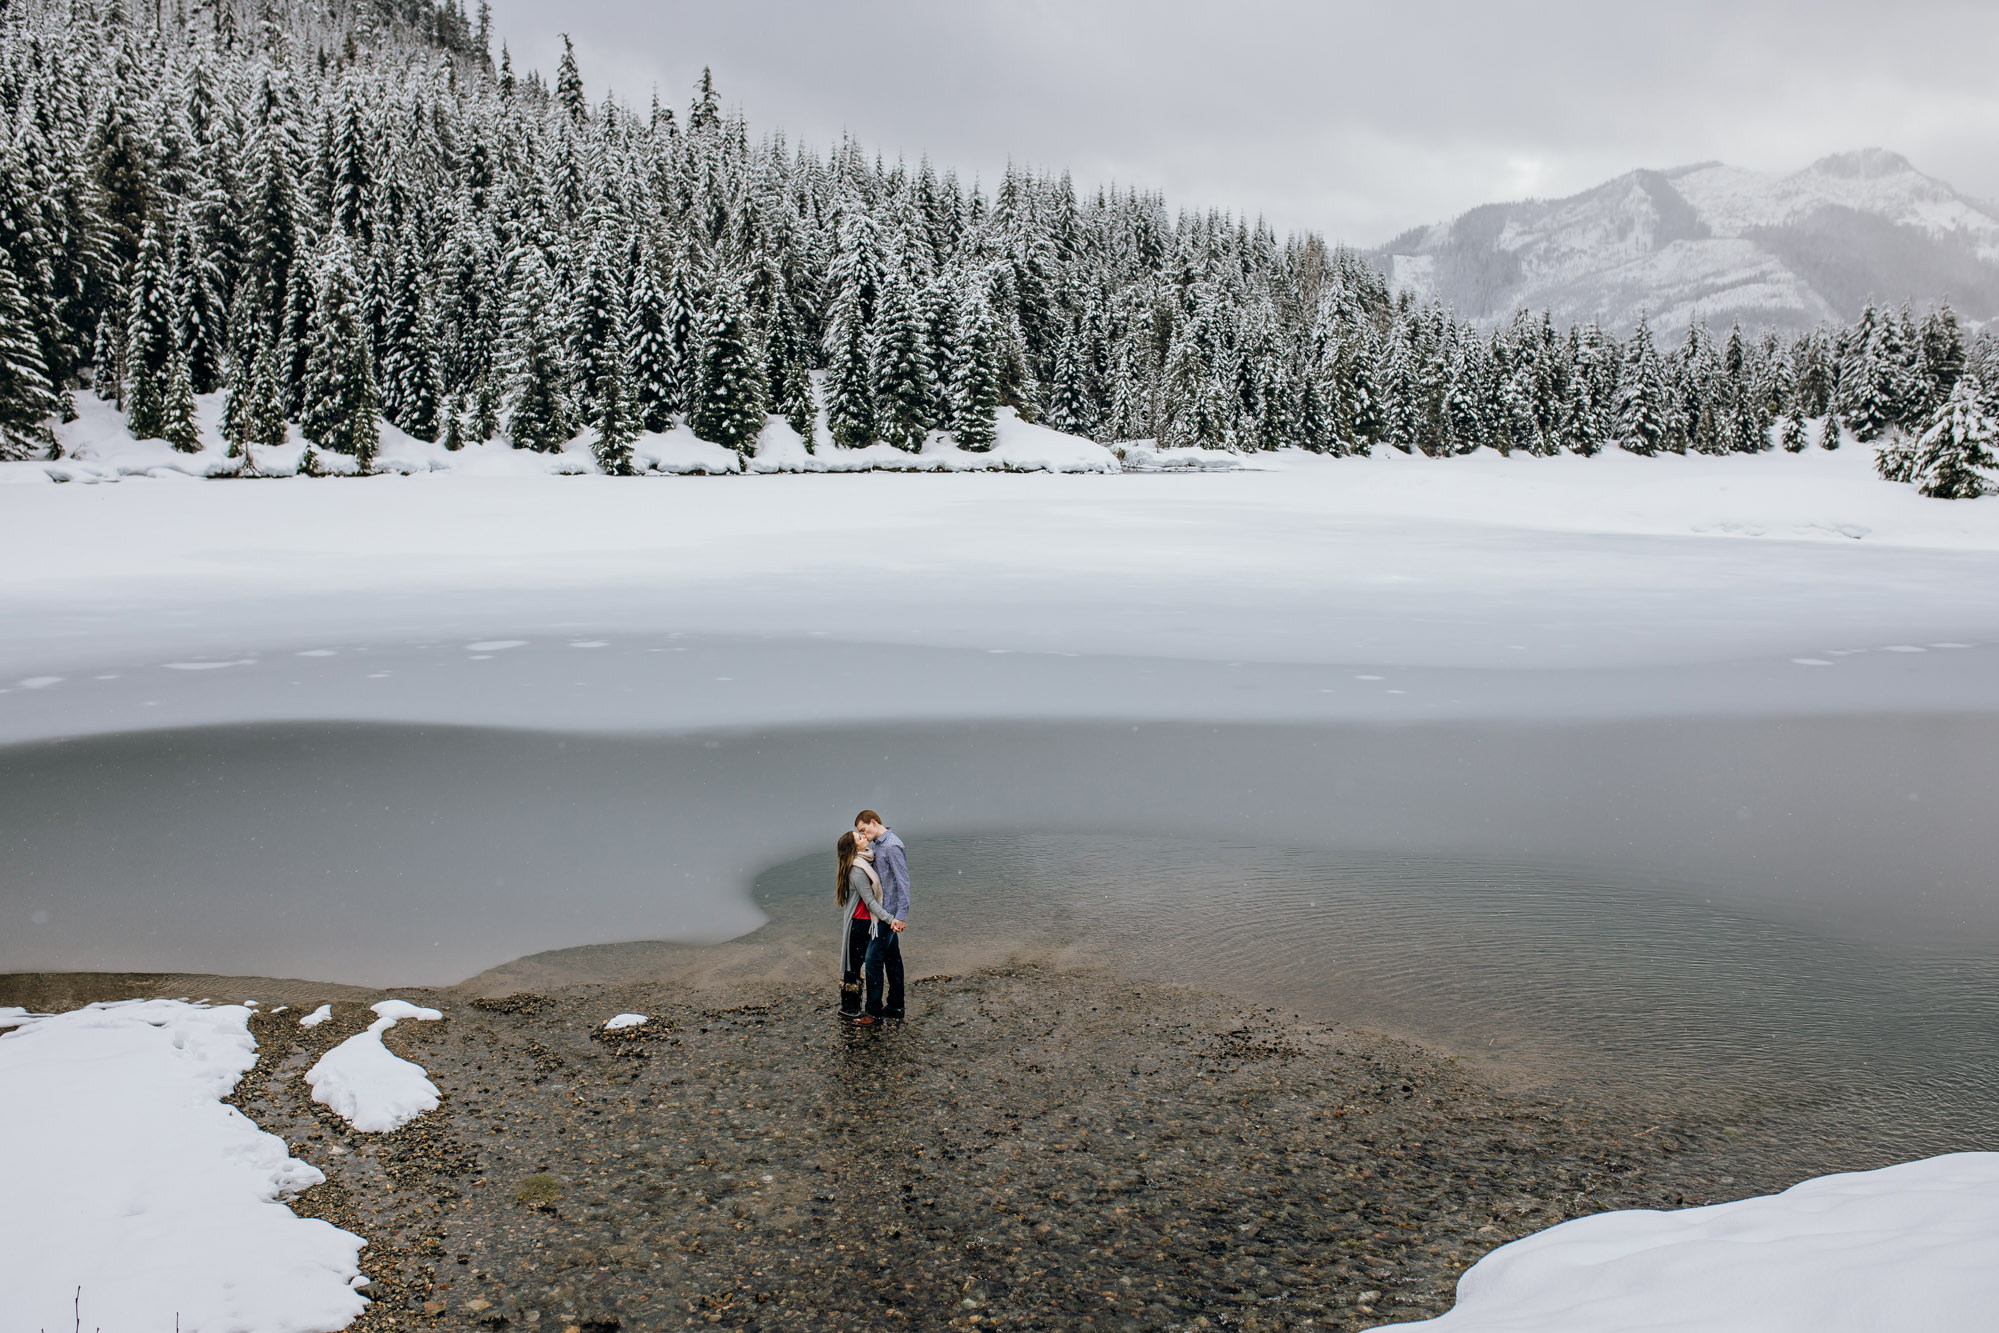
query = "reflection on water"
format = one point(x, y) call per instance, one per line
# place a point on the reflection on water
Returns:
point(1570, 976)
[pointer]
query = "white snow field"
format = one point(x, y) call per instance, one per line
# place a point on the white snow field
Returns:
point(368, 1085)
point(1913, 1246)
point(197, 597)
point(124, 1175)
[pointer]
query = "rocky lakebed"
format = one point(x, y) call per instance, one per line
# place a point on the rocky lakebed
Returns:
point(1040, 1145)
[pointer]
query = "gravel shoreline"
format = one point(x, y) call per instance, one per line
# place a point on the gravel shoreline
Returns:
point(1038, 1147)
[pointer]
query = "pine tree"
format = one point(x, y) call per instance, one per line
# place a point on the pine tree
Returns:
point(1953, 457)
point(1791, 432)
point(569, 84)
point(850, 393)
point(537, 382)
point(1868, 390)
point(1068, 401)
point(1642, 425)
point(177, 423)
point(295, 335)
point(340, 402)
point(792, 400)
point(352, 172)
point(245, 340)
point(202, 333)
point(599, 347)
point(655, 370)
point(686, 282)
point(974, 369)
point(150, 335)
point(26, 399)
point(265, 422)
point(904, 390)
point(454, 425)
point(613, 445)
point(412, 372)
point(732, 391)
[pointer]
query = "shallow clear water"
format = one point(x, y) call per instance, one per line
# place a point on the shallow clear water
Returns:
point(1788, 918)
point(1561, 975)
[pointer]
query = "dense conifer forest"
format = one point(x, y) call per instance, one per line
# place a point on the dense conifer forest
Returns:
point(343, 212)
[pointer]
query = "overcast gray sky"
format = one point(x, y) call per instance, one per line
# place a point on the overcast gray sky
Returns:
point(1353, 120)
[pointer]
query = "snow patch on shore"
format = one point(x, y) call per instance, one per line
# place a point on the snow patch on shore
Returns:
point(97, 447)
point(369, 1086)
point(1914, 1246)
point(124, 1174)
point(623, 1021)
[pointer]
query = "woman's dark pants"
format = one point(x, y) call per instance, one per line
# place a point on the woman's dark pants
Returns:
point(850, 974)
point(885, 957)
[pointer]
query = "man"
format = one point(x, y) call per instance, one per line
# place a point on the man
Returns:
point(885, 949)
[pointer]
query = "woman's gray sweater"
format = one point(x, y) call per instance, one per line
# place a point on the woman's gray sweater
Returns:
point(861, 883)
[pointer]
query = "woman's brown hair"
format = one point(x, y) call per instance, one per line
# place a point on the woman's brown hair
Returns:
point(848, 850)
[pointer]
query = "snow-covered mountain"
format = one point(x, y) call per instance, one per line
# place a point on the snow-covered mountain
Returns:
point(1775, 251)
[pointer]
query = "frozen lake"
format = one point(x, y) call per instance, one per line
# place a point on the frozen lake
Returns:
point(1614, 757)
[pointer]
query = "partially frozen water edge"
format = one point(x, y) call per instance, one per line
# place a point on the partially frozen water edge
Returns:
point(1778, 912)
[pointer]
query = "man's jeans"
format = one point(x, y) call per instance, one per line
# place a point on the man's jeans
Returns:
point(885, 955)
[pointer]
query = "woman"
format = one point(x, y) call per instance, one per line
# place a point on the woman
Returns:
point(858, 891)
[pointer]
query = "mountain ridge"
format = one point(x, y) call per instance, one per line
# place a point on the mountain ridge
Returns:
point(1775, 251)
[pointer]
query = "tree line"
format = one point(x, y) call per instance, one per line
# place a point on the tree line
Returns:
point(340, 214)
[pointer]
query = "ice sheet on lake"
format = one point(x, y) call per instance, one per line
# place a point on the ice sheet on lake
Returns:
point(125, 1175)
point(1906, 1247)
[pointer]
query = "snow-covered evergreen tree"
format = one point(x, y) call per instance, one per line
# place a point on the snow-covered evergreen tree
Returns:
point(732, 394)
point(904, 390)
point(537, 381)
point(340, 403)
point(974, 371)
point(1642, 425)
point(177, 413)
point(850, 380)
point(202, 332)
point(599, 346)
point(655, 368)
point(1953, 458)
point(412, 369)
point(151, 335)
point(26, 399)
point(613, 443)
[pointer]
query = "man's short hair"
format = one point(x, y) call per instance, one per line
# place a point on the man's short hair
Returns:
point(867, 817)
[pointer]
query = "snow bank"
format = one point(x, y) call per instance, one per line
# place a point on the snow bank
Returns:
point(1148, 456)
point(124, 1174)
point(1018, 446)
point(1914, 1246)
point(97, 447)
point(317, 1016)
point(369, 1086)
point(624, 1021)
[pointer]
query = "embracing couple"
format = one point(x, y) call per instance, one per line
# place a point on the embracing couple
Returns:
point(872, 888)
